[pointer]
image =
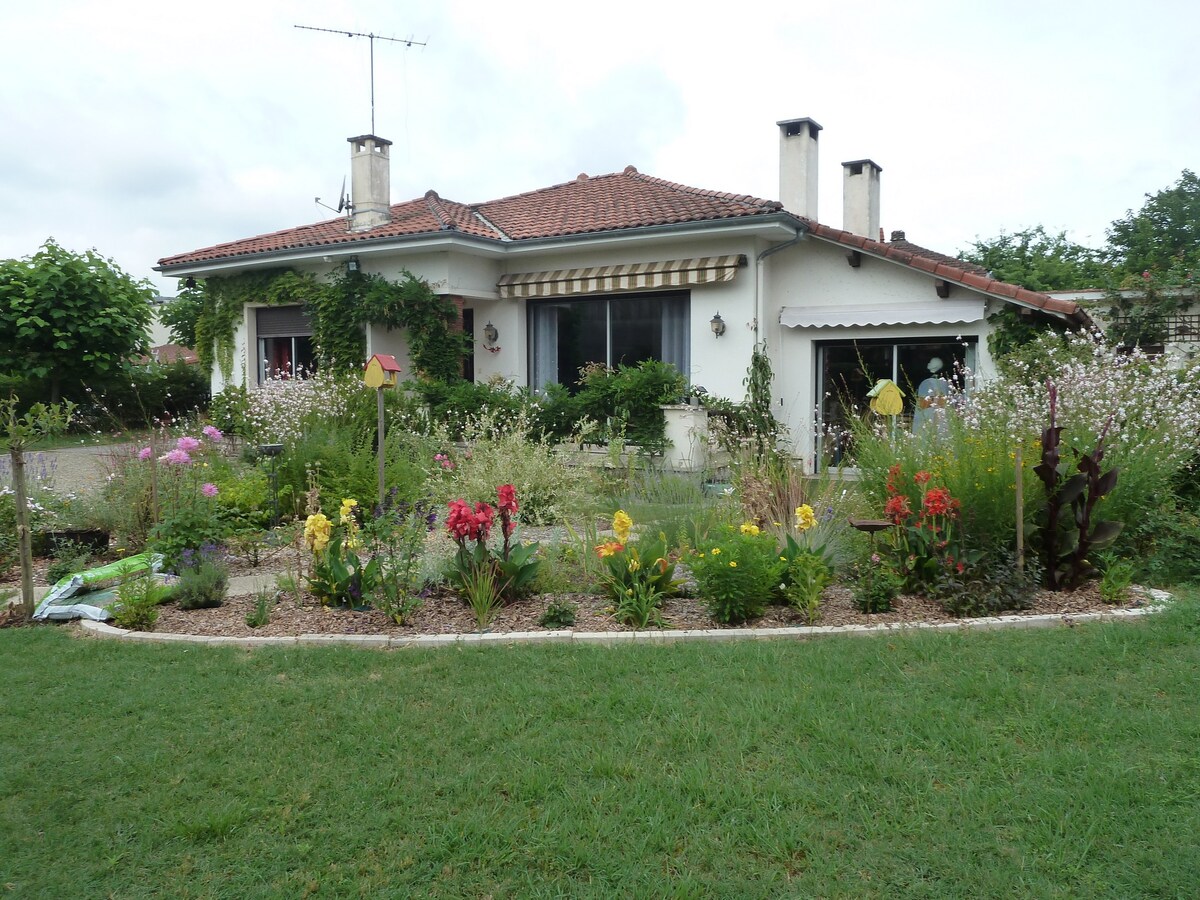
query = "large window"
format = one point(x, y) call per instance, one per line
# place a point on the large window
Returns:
point(285, 347)
point(565, 335)
point(847, 370)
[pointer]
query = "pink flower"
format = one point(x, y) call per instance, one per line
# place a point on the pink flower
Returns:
point(177, 457)
point(212, 433)
point(145, 453)
point(208, 489)
point(187, 444)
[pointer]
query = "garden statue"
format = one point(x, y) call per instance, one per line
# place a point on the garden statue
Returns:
point(930, 413)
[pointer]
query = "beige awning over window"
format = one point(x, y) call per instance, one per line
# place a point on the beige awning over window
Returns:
point(650, 276)
point(859, 314)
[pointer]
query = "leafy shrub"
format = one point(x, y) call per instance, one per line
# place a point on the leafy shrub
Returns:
point(627, 400)
point(988, 586)
point(203, 578)
point(640, 573)
point(804, 580)
point(738, 573)
point(1116, 580)
point(145, 396)
point(874, 585)
point(550, 491)
point(137, 604)
point(559, 615)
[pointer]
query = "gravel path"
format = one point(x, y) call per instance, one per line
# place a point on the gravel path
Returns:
point(75, 470)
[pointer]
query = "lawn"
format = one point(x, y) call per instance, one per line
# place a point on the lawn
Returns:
point(1057, 763)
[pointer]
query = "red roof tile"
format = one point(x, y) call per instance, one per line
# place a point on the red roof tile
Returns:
point(589, 205)
point(626, 199)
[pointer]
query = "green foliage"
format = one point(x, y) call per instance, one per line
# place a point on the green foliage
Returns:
point(987, 586)
point(397, 537)
point(764, 428)
point(1116, 580)
point(626, 401)
point(181, 313)
point(338, 309)
point(186, 528)
point(260, 615)
point(874, 585)
point(66, 315)
point(203, 578)
point(1140, 310)
point(805, 578)
point(1013, 329)
point(69, 558)
point(137, 604)
point(1164, 235)
point(479, 584)
point(559, 615)
point(1040, 261)
point(738, 572)
point(638, 606)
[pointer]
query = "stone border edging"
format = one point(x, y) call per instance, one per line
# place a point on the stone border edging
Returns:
point(1158, 600)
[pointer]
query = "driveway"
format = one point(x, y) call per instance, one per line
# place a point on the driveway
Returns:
point(75, 470)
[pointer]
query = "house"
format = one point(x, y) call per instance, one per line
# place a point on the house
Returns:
point(626, 266)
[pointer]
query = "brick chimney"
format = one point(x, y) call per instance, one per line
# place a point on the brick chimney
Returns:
point(860, 197)
point(370, 182)
point(798, 166)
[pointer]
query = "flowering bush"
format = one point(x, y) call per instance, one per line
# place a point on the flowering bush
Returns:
point(512, 567)
point(340, 574)
point(637, 578)
point(189, 515)
point(925, 540)
point(738, 573)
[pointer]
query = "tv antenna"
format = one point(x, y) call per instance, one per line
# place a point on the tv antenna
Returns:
point(371, 38)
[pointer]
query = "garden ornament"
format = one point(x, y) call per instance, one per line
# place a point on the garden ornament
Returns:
point(931, 400)
point(886, 398)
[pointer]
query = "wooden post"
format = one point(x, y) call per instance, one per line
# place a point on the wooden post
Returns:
point(379, 410)
point(24, 541)
point(1020, 486)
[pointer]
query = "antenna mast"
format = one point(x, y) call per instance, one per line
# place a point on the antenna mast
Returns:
point(371, 37)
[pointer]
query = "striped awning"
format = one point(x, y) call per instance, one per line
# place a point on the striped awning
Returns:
point(938, 312)
point(651, 276)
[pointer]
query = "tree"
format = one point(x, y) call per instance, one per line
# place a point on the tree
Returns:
point(1163, 237)
point(1040, 261)
point(16, 434)
point(65, 315)
point(181, 313)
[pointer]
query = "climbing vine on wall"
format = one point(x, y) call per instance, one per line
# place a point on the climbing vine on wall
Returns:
point(338, 309)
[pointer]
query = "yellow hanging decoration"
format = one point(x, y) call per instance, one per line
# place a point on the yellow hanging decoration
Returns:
point(886, 398)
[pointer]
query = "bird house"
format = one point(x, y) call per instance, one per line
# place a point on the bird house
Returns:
point(381, 371)
point(886, 398)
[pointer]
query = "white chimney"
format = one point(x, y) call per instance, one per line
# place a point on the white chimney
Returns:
point(370, 182)
point(860, 197)
point(798, 166)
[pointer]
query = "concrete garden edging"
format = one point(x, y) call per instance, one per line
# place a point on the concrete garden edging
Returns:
point(1158, 600)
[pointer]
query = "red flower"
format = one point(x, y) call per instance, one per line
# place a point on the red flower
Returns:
point(921, 477)
point(483, 519)
point(507, 496)
point(938, 502)
point(461, 522)
point(897, 508)
point(893, 474)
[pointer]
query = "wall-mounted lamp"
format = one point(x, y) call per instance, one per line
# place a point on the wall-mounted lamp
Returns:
point(491, 334)
point(352, 264)
point(190, 284)
point(717, 324)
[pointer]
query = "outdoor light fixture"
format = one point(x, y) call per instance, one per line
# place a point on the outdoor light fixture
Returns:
point(190, 284)
point(490, 333)
point(352, 264)
point(718, 325)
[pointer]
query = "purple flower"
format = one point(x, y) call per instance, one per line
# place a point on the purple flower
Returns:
point(187, 444)
point(145, 453)
point(177, 457)
point(208, 489)
point(212, 433)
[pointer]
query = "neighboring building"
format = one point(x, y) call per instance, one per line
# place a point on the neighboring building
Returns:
point(162, 350)
point(1176, 336)
point(623, 267)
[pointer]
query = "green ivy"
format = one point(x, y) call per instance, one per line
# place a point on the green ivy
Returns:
point(338, 309)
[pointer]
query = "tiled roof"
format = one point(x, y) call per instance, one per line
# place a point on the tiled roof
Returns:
point(586, 205)
point(605, 203)
point(949, 269)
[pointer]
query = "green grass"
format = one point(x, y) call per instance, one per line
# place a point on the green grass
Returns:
point(1059, 763)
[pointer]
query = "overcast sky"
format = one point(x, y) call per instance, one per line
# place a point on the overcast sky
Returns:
point(144, 131)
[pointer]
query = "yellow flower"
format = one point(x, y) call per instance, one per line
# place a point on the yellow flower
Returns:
point(316, 532)
point(621, 524)
point(716, 551)
point(634, 565)
point(749, 528)
point(732, 564)
point(805, 519)
point(347, 511)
